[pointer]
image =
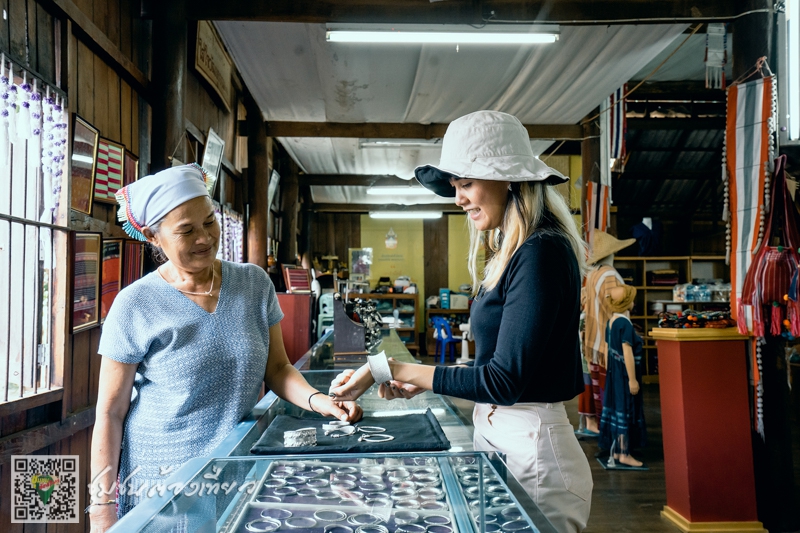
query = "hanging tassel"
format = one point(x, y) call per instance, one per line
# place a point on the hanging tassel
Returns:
point(741, 317)
point(776, 319)
point(715, 56)
point(794, 318)
point(759, 389)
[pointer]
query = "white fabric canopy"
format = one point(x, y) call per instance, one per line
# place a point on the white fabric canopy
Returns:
point(295, 75)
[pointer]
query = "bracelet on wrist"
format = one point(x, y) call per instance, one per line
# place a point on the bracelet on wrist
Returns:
point(379, 368)
point(309, 401)
point(97, 504)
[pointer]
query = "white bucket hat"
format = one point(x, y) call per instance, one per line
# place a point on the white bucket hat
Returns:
point(485, 145)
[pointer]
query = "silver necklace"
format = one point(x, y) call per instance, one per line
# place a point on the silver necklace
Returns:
point(210, 290)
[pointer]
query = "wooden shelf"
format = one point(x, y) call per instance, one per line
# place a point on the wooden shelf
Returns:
point(436, 311)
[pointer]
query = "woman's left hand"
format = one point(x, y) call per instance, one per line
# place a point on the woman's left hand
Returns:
point(340, 410)
point(350, 386)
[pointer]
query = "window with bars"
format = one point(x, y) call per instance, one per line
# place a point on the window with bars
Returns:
point(33, 262)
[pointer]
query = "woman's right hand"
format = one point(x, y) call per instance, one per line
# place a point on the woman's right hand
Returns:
point(634, 386)
point(102, 517)
point(350, 385)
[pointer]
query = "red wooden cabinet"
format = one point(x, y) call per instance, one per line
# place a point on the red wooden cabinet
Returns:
point(296, 325)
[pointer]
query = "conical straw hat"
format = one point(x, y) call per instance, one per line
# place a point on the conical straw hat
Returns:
point(603, 245)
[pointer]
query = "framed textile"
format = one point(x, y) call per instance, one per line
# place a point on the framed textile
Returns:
point(133, 261)
point(86, 257)
point(112, 274)
point(130, 168)
point(360, 263)
point(85, 139)
point(212, 158)
point(298, 280)
point(108, 171)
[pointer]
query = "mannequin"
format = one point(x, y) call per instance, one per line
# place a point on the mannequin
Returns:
point(622, 424)
point(599, 281)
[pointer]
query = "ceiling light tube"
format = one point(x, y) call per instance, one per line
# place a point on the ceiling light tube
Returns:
point(443, 34)
point(405, 214)
point(399, 190)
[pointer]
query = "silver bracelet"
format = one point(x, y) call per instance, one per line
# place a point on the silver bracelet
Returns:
point(327, 495)
point(274, 483)
point(375, 438)
point(371, 487)
point(379, 368)
point(405, 517)
point(440, 529)
point(263, 525)
point(400, 485)
point(433, 505)
point(436, 520)
point(431, 493)
point(501, 501)
point(284, 491)
point(516, 525)
point(411, 528)
point(330, 515)
point(407, 504)
point(300, 437)
point(372, 528)
point(346, 470)
point(371, 429)
point(488, 518)
point(317, 483)
point(295, 480)
point(267, 499)
point(277, 514)
point(404, 494)
point(364, 519)
point(308, 491)
point(337, 528)
point(373, 470)
point(347, 485)
point(300, 522)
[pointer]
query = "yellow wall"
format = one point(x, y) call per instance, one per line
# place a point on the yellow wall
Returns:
point(405, 260)
point(457, 251)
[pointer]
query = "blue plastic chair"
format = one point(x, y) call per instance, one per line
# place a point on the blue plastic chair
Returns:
point(444, 337)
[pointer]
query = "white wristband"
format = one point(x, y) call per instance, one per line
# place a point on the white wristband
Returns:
point(379, 368)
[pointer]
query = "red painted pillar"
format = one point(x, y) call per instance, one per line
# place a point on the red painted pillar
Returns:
point(708, 456)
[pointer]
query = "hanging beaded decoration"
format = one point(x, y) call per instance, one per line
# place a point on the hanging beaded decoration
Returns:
point(726, 195)
point(5, 117)
point(759, 389)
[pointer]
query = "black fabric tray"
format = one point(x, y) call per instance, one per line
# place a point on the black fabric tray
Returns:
point(412, 433)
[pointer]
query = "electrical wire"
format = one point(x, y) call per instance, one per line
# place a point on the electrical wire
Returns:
point(628, 21)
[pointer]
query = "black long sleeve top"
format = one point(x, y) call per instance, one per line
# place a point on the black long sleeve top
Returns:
point(525, 329)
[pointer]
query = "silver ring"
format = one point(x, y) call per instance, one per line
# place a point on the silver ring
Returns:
point(472, 492)
point(285, 491)
point(346, 470)
point(440, 528)
point(371, 429)
point(491, 528)
point(379, 494)
point(470, 480)
point(379, 502)
point(494, 489)
point(337, 528)
point(327, 495)
point(300, 522)
point(430, 493)
point(404, 484)
point(338, 434)
point(407, 504)
point(317, 483)
point(372, 528)
point(427, 481)
point(347, 485)
point(295, 480)
point(351, 502)
point(436, 520)
point(364, 519)
point(425, 471)
point(488, 518)
point(516, 525)
point(274, 483)
point(330, 515)
point(263, 525)
point(411, 528)
point(373, 470)
point(467, 470)
point(370, 478)
point(308, 491)
point(433, 505)
point(398, 474)
point(511, 513)
point(371, 437)
point(501, 501)
point(276, 514)
point(344, 477)
point(371, 487)
point(405, 517)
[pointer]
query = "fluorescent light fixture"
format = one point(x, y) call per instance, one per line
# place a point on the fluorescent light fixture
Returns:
point(405, 214)
point(793, 60)
point(400, 143)
point(82, 158)
point(399, 190)
point(511, 34)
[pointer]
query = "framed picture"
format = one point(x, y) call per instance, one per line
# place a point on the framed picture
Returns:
point(86, 255)
point(85, 139)
point(112, 274)
point(212, 157)
point(297, 279)
point(133, 261)
point(360, 263)
point(272, 189)
point(108, 171)
point(130, 168)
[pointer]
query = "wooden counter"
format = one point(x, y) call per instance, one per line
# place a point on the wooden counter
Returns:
point(708, 456)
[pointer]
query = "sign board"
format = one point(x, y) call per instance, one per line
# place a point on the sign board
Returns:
point(212, 62)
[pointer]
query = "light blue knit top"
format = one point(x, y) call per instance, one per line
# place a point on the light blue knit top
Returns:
point(199, 373)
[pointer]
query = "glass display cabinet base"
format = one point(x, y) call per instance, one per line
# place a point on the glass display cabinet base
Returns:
point(365, 493)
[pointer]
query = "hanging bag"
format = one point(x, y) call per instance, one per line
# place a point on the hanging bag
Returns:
point(769, 281)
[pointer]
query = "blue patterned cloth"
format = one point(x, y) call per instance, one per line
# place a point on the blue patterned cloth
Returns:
point(199, 373)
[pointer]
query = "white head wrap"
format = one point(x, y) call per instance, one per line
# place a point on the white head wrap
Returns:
point(148, 200)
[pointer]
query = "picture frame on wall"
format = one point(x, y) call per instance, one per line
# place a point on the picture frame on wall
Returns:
point(85, 139)
point(133, 261)
point(360, 263)
point(212, 158)
point(86, 258)
point(113, 253)
point(109, 171)
point(272, 188)
point(130, 168)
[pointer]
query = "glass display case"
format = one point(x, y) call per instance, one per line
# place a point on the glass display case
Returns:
point(364, 493)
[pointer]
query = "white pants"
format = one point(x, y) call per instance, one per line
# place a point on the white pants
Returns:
point(544, 456)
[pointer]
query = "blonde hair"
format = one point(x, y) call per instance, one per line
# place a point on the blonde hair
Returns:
point(527, 203)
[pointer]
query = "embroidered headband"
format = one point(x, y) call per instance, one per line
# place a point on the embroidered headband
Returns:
point(148, 200)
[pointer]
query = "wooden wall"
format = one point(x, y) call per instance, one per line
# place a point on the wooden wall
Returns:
point(334, 233)
point(29, 44)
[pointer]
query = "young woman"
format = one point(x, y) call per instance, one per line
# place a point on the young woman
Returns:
point(524, 317)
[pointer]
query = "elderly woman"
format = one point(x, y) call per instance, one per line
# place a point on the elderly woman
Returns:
point(193, 341)
point(524, 317)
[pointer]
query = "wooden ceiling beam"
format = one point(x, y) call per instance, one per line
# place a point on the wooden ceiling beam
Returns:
point(458, 11)
point(366, 208)
point(717, 123)
point(357, 180)
point(402, 130)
